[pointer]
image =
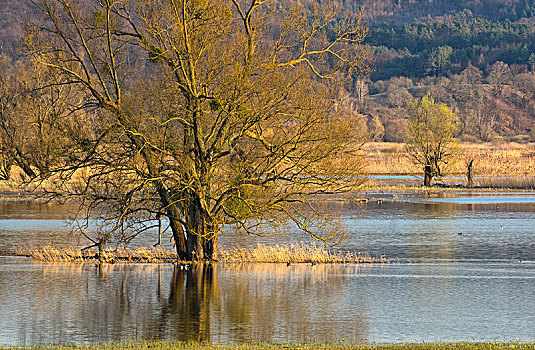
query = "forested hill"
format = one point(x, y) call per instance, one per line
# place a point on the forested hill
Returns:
point(447, 44)
point(404, 11)
point(476, 55)
point(414, 37)
point(12, 14)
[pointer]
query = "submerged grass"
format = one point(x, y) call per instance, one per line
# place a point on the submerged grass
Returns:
point(303, 346)
point(289, 253)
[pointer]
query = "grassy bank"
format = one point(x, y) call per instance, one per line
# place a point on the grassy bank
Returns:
point(267, 346)
point(284, 253)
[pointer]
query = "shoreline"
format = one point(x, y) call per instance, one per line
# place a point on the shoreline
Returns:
point(384, 186)
point(263, 254)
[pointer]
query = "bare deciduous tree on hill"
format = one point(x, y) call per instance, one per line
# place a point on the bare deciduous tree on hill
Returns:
point(198, 113)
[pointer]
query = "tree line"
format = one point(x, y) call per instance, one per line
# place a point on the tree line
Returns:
point(443, 46)
point(404, 11)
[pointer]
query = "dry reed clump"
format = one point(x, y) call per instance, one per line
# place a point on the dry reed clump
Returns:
point(295, 253)
point(74, 255)
point(519, 183)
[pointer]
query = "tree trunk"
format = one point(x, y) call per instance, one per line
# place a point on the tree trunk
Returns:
point(428, 176)
point(178, 236)
point(27, 169)
point(23, 164)
point(201, 240)
point(470, 175)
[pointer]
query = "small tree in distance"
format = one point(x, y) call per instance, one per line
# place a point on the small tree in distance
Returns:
point(430, 139)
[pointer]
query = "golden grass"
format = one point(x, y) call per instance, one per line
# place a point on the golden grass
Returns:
point(526, 183)
point(292, 253)
point(512, 160)
point(295, 253)
point(507, 159)
point(75, 255)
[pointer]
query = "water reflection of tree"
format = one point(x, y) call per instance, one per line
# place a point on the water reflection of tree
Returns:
point(213, 303)
point(265, 302)
point(433, 232)
point(187, 308)
point(278, 303)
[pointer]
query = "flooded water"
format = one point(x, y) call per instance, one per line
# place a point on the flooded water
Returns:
point(236, 303)
point(463, 268)
point(483, 228)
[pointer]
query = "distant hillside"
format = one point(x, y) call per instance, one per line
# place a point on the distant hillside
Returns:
point(404, 11)
point(469, 54)
point(498, 106)
point(445, 45)
point(12, 14)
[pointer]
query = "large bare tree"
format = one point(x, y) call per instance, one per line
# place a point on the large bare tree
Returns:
point(204, 112)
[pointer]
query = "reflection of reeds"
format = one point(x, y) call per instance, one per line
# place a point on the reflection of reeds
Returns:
point(288, 253)
point(298, 270)
point(165, 345)
point(295, 253)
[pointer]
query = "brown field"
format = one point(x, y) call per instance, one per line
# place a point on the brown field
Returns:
point(496, 160)
point(496, 165)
